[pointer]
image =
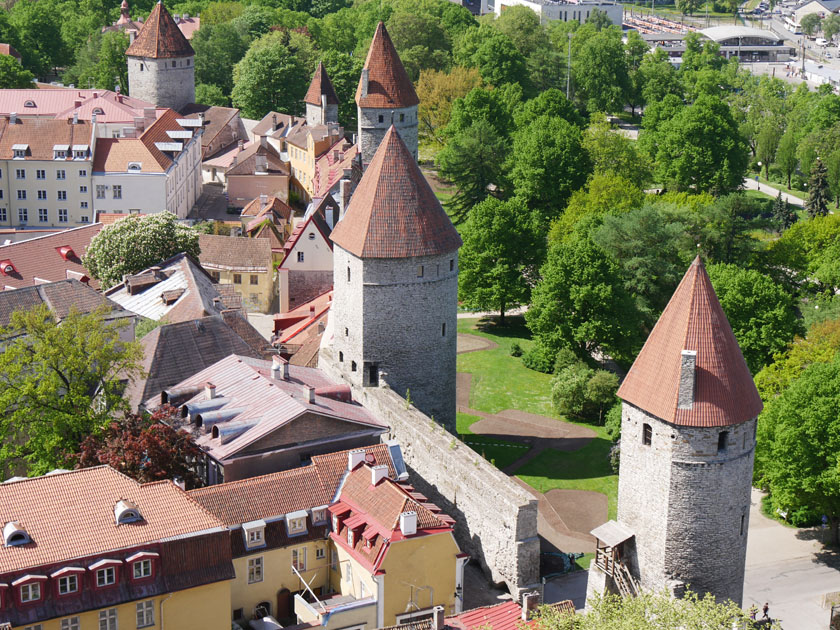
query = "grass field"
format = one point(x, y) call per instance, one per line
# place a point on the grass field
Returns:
point(500, 381)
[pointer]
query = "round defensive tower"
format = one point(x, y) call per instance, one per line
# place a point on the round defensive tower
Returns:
point(688, 432)
point(395, 260)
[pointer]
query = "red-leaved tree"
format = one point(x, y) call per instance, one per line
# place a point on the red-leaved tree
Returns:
point(145, 448)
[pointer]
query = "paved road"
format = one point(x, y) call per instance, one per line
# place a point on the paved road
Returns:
point(751, 184)
point(788, 568)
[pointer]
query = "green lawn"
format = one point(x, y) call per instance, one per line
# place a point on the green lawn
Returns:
point(498, 452)
point(586, 469)
point(500, 381)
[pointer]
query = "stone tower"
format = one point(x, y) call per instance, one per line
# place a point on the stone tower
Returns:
point(385, 97)
point(160, 63)
point(395, 261)
point(321, 100)
point(688, 423)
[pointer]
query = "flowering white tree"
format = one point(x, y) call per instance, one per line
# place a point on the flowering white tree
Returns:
point(136, 243)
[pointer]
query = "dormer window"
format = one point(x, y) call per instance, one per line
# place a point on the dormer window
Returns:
point(126, 512)
point(80, 151)
point(60, 151)
point(106, 576)
point(296, 522)
point(14, 535)
point(98, 111)
point(319, 515)
point(29, 103)
point(142, 569)
point(68, 584)
point(135, 166)
point(30, 592)
point(20, 150)
point(254, 533)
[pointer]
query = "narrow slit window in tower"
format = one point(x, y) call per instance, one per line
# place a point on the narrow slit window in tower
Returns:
point(352, 366)
point(723, 438)
point(371, 375)
point(340, 356)
point(402, 117)
point(451, 264)
point(443, 329)
point(647, 434)
point(742, 524)
point(381, 118)
point(419, 271)
point(348, 274)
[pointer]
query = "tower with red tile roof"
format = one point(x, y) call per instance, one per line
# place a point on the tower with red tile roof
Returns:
point(395, 263)
point(689, 408)
point(385, 97)
point(321, 99)
point(160, 62)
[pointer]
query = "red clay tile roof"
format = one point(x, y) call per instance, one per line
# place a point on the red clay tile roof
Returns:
point(71, 515)
point(332, 466)
point(42, 134)
point(725, 393)
point(40, 258)
point(388, 82)
point(237, 253)
point(393, 213)
point(160, 37)
point(321, 84)
point(274, 205)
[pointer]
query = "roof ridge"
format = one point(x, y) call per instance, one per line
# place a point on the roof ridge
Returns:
point(227, 484)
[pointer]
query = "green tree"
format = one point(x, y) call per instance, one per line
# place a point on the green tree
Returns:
point(658, 77)
point(218, 48)
point(548, 164)
point(798, 444)
point(818, 192)
point(831, 26)
point(786, 155)
point(344, 71)
point(599, 19)
point(614, 611)
point(13, 75)
point(613, 152)
point(767, 144)
point(420, 41)
point(762, 314)
point(552, 102)
point(473, 161)
point(273, 76)
point(637, 49)
point(580, 392)
point(254, 22)
point(437, 91)
point(498, 261)
point(599, 69)
point(783, 214)
point(701, 149)
point(221, 12)
point(210, 95)
point(499, 62)
point(101, 63)
point(136, 243)
point(480, 104)
point(39, 36)
point(60, 383)
point(688, 6)
point(522, 26)
point(580, 303)
point(810, 24)
point(833, 174)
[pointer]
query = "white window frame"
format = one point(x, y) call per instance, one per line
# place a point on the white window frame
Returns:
point(62, 195)
point(146, 613)
point(320, 553)
point(30, 592)
point(70, 623)
point(104, 573)
point(108, 619)
point(64, 583)
point(20, 173)
point(116, 189)
point(100, 191)
point(40, 174)
point(61, 174)
point(145, 569)
point(255, 570)
point(62, 215)
point(299, 558)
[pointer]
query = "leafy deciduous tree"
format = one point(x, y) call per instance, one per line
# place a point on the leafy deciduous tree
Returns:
point(13, 75)
point(437, 90)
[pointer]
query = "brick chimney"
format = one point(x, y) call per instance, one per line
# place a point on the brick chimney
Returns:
point(688, 370)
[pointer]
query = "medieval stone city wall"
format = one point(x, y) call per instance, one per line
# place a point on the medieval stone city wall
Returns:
point(496, 519)
point(374, 123)
point(162, 83)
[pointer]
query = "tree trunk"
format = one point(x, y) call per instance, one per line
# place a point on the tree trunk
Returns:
point(502, 313)
point(789, 174)
point(835, 535)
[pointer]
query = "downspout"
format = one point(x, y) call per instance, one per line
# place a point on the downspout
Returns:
point(380, 600)
point(162, 602)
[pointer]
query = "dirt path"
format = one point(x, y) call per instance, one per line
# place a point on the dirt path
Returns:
point(565, 516)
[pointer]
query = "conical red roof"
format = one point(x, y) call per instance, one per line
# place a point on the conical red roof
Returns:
point(724, 392)
point(321, 84)
point(388, 83)
point(160, 38)
point(393, 213)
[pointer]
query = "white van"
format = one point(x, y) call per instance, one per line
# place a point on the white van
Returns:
point(820, 41)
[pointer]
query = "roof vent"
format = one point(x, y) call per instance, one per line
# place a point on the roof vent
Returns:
point(210, 390)
point(14, 534)
point(7, 268)
point(438, 617)
point(279, 368)
point(378, 473)
point(126, 512)
point(408, 523)
point(688, 365)
point(530, 601)
point(66, 252)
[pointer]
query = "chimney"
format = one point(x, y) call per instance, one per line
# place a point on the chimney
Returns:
point(240, 144)
point(263, 141)
point(93, 118)
point(274, 122)
point(530, 601)
point(377, 474)
point(75, 118)
point(77, 103)
point(131, 35)
point(365, 80)
point(354, 458)
point(688, 365)
point(210, 390)
point(323, 109)
point(408, 523)
point(310, 394)
point(345, 189)
point(438, 617)
point(139, 123)
point(263, 202)
point(279, 368)
point(179, 481)
point(149, 115)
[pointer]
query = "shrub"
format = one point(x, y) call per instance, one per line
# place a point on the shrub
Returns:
point(581, 392)
point(565, 358)
point(613, 422)
point(539, 358)
point(515, 349)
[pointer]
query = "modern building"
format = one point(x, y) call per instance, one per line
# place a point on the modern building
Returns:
point(306, 269)
point(252, 417)
point(385, 98)
point(688, 427)
point(740, 42)
point(154, 166)
point(160, 62)
point(823, 8)
point(551, 10)
point(245, 263)
point(50, 258)
point(279, 531)
point(92, 548)
point(395, 256)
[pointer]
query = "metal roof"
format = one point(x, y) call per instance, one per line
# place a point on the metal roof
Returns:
point(719, 33)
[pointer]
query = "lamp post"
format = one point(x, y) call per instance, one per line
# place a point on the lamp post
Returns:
point(757, 183)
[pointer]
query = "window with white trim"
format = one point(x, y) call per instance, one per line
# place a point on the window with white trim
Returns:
point(62, 195)
point(100, 191)
point(61, 174)
point(299, 558)
point(82, 172)
point(21, 194)
point(320, 553)
point(300, 256)
point(142, 569)
point(40, 173)
point(255, 537)
point(106, 576)
point(82, 189)
point(146, 614)
point(84, 219)
point(255, 570)
point(30, 592)
point(3, 216)
point(70, 623)
point(23, 215)
point(108, 619)
point(43, 215)
point(62, 215)
point(297, 525)
point(348, 572)
point(42, 194)
point(20, 173)
point(117, 189)
point(37, 626)
point(68, 584)
point(83, 205)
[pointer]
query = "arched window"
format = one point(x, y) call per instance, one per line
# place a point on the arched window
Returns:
point(126, 512)
point(29, 104)
point(98, 111)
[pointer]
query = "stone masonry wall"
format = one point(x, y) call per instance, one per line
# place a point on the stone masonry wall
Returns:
point(306, 285)
point(373, 123)
point(314, 115)
point(160, 82)
point(496, 519)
